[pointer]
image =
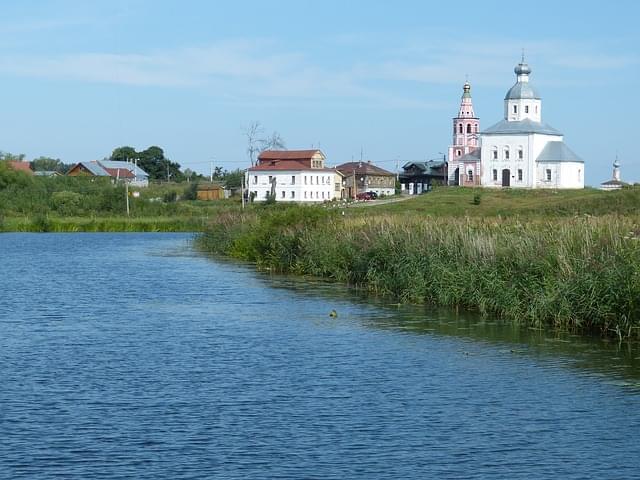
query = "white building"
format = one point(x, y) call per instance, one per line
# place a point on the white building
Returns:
point(616, 182)
point(293, 176)
point(523, 152)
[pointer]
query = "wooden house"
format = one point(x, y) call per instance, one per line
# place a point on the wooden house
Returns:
point(210, 191)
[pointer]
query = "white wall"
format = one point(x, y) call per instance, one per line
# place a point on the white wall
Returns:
point(298, 186)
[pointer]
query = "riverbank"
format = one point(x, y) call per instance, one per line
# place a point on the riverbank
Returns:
point(47, 223)
point(575, 272)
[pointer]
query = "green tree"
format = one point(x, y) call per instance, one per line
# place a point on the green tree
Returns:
point(232, 179)
point(152, 161)
point(124, 154)
point(48, 164)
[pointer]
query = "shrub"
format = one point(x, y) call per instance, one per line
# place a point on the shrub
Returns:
point(67, 203)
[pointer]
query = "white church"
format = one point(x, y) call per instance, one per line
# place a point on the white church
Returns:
point(520, 151)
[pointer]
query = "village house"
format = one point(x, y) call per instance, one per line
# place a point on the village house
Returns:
point(360, 177)
point(20, 166)
point(293, 176)
point(419, 177)
point(118, 171)
point(210, 191)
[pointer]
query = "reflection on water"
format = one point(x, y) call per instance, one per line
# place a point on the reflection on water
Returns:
point(130, 356)
point(617, 362)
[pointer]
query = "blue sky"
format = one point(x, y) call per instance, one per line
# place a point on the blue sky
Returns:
point(81, 78)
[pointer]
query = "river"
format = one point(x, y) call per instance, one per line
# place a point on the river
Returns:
point(132, 356)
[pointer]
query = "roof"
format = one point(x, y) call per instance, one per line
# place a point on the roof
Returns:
point(289, 154)
point(470, 157)
point(363, 168)
point(20, 166)
point(557, 152)
point(430, 167)
point(614, 182)
point(526, 126)
point(120, 172)
point(522, 90)
point(119, 165)
point(46, 173)
point(93, 168)
point(289, 165)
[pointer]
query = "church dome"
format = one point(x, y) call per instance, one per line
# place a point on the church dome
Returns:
point(522, 90)
point(522, 69)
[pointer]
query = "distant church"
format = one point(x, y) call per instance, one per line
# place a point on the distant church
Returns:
point(520, 151)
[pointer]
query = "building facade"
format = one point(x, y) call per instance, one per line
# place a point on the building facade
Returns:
point(463, 157)
point(521, 151)
point(293, 176)
point(419, 177)
point(360, 177)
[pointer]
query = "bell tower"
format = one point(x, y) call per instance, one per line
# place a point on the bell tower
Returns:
point(466, 140)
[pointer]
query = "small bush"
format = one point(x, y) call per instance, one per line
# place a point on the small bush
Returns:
point(67, 203)
point(170, 197)
point(476, 199)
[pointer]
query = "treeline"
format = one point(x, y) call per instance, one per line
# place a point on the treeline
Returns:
point(571, 273)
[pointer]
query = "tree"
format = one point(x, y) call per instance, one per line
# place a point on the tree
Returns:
point(152, 161)
point(10, 157)
point(232, 179)
point(48, 164)
point(257, 142)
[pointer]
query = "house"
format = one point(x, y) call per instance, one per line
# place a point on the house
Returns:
point(419, 177)
point(20, 166)
point(521, 151)
point(116, 170)
point(615, 183)
point(210, 191)
point(366, 177)
point(47, 173)
point(293, 176)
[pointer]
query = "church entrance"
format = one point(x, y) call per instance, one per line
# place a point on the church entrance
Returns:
point(506, 177)
point(456, 177)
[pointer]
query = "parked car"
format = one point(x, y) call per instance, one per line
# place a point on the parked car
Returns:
point(374, 195)
point(364, 196)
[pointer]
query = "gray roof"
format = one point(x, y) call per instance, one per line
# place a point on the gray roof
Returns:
point(470, 157)
point(522, 90)
point(557, 152)
point(96, 169)
point(520, 127)
point(137, 171)
point(430, 167)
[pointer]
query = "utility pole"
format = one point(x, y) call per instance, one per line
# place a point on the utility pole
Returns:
point(211, 171)
point(126, 194)
point(242, 189)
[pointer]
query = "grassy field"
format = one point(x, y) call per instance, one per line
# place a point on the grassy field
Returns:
point(565, 260)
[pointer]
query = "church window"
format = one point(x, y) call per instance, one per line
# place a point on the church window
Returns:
point(495, 175)
point(460, 128)
point(536, 109)
point(548, 173)
point(579, 175)
point(293, 179)
point(468, 128)
point(506, 153)
point(305, 179)
point(494, 153)
point(470, 175)
point(526, 109)
point(293, 194)
point(515, 109)
point(283, 194)
point(476, 128)
point(520, 153)
point(305, 194)
point(458, 152)
point(255, 179)
point(519, 174)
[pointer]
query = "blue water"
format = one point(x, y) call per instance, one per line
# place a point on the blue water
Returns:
point(130, 356)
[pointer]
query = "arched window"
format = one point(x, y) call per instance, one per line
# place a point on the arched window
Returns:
point(494, 153)
point(468, 128)
point(520, 153)
point(506, 153)
point(460, 128)
point(476, 128)
point(495, 175)
point(470, 175)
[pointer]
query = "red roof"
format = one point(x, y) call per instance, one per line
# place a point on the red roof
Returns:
point(120, 172)
point(288, 154)
point(20, 166)
point(287, 165)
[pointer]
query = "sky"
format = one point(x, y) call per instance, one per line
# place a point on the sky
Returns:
point(373, 78)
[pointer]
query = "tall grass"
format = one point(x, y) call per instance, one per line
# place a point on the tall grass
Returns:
point(579, 274)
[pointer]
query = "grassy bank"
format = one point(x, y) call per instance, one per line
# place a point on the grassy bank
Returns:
point(46, 223)
point(578, 272)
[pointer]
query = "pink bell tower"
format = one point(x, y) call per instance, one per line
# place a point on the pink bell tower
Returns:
point(464, 153)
